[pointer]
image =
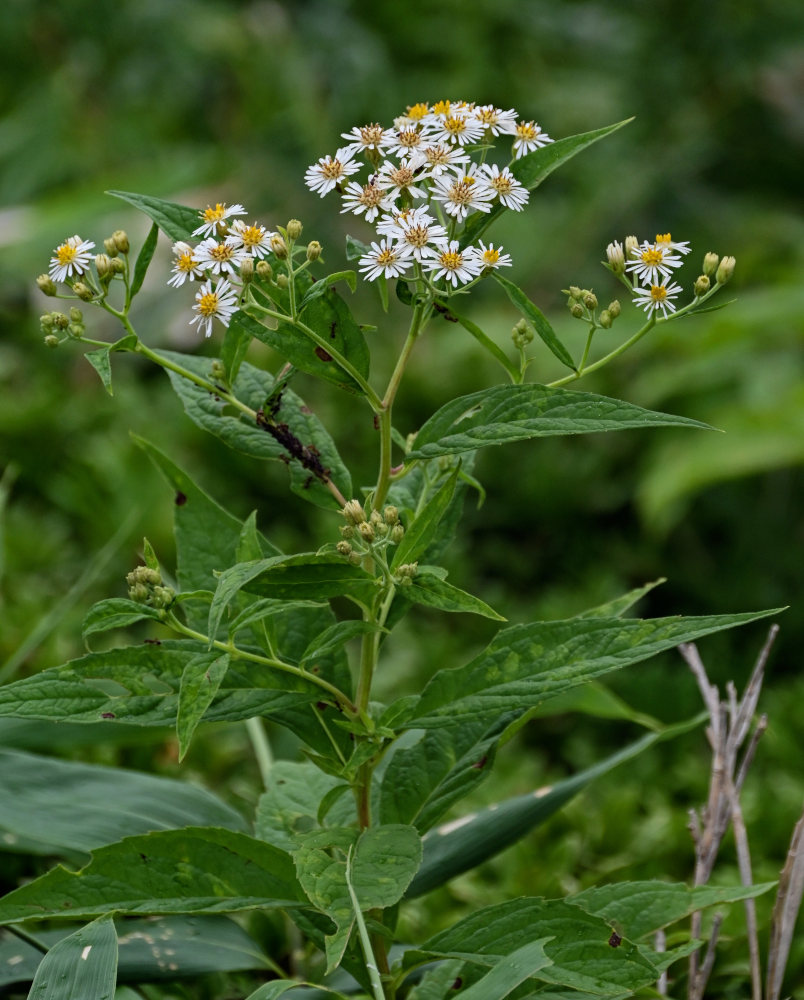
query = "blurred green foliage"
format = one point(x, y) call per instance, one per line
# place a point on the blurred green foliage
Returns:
point(204, 100)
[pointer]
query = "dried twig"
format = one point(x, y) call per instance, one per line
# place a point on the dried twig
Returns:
point(785, 911)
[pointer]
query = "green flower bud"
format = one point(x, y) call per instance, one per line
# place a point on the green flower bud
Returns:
point(725, 270)
point(397, 534)
point(590, 300)
point(353, 512)
point(294, 229)
point(47, 322)
point(217, 370)
point(103, 265)
point(344, 548)
point(282, 281)
point(710, 263)
point(366, 531)
point(631, 244)
point(614, 309)
point(110, 247)
point(522, 334)
point(247, 269)
point(120, 240)
point(76, 330)
point(46, 284)
point(616, 257)
point(264, 270)
point(163, 597)
point(118, 267)
point(701, 286)
point(313, 250)
point(575, 292)
point(605, 319)
point(60, 320)
point(83, 291)
point(347, 531)
point(279, 247)
point(577, 310)
point(390, 515)
point(51, 340)
point(76, 315)
point(355, 559)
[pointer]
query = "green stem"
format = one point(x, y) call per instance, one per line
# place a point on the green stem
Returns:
point(30, 939)
point(365, 943)
point(261, 747)
point(276, 664)
point(586, 348)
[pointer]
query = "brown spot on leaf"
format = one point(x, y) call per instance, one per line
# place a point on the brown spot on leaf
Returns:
point(480, 764)
point(181, 498)
point(108, 715)
point(322, 354)
point(615, 940)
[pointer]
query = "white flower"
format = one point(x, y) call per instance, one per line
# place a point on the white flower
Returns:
point(185, 266)
point(657, 297)
point(404, 177)
point(214, 303)
point(529, 136)
point(664, 240)
point(385, 258)
point(219, 258)
point(460, 128)
point(214, 219)
point(419, 232)
point(511, 193)
point(490, 258)
point(408, 142)
point(372, 136)
point(467, 192)
point(651, 262)
point(368, 198)
point(70, 259)
point(439, 157)
point(454, 264)
point(495, 120)
point(330, 171)
point(255, 239)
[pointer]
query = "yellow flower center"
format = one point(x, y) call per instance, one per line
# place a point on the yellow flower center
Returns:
point(370, 135)
point(451, 260)
point(417, 235)
point(208, 304)
point(652, 257)
point(527, 130)
point(437, 155)
point(658, 293)
point(221, 252)
point(186, 262)
point(455, 126)
point(371, 196)
point(385, 257)
point(332, 170)
point(252, 235)
point(501, 184)
point(441, 108)
point(663, 238)
point(214, 214)
point(461, 191)
point(66, 253)
point(488, 116)
point(410, 138)
point(491, 256)
point(401, 177)
point(418, 111)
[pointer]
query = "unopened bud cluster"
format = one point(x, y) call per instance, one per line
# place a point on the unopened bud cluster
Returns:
point(405, 573)
point(145, 586)
point(522, 334)
point(362, 533)
point(56, 326)
point(582, 304)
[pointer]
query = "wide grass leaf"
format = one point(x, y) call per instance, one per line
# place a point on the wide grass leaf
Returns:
point(82, 966)
point(505, 413)
point(524, 665)
point(194, 870)
point(88, 806)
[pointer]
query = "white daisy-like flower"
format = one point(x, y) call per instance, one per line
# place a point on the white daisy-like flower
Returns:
point(367, 137)
point(214, 219)
point(404, 176)
point(366, 198)
point(496, 121)
point(385, 257)
point(185, 265)
point(220, 258)
point(491, 257)
point(331, 171)
point(666, 241)
point(657, 297)
point(255, 239)
point(420, 232)
point(454, 264)
point(511, 193)
point(651, 262)
point(408, 142)
point(460, 128)
point(70, 259)
point(468, 192)
point(441, 157)
point(529, 136)
point(214, 303)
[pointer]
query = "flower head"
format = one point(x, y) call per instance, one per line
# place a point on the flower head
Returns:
point(220, 258)
point(185, 265)
point(331, 170)
point(418, 231)
point(511, 193)
point(405, 176)
point(454, 264)
point(529, 136)
point(367, 137)
point(70, 259)
point(657, 297)
point(666, 241)
point(366, 198)
point(386, 258)
point(650, 262)
point(214, 219)
point(496, 121)
point(491, 257)
point(254, 240)
point(214, 303)
point(460, 128)
point(468, 192)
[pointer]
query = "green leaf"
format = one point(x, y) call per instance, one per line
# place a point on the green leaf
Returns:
point(99, 360)
point(437, 981)
point(617, 607)
point(116, 612)
point(176, 221)
point(266, 608)
point(355, 248)
point(335, 637)
point(83, 965)
point(537, 319)
point(252, 387)
point(144, 259)
point(422, 530)
point(278, 987)
point(638, 909)
point(577, 944)
point(235, 345)
point(288, 808)
point(194, 870)
point(430, 590)
point(386, 859)
point(114, 803)
point(319, 287)
point(200, 682)
point(506, 413)
point(525, 665)
point(482, 338)
point(510, 972)
point(468, 841)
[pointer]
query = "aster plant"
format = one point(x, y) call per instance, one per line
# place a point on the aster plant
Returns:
point(344, 836)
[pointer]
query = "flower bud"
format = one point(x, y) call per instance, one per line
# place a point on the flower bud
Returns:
point(46, 284)
point(631, 244)
point(282, 281)
point(390, 515)
point(397, 534)
point(118, 267)
point(83, 291)
point(60, 320)
point(614, 309)
point(120, 240)
point(103, 265)
point(353, 512)
point(47, 322)
point(264, 270)
point(217, 370)
point(590, 300)
point(313, 250)
point(605, 319)
point(375, 517)
point(521, 334)
point(279, 247)
point(76, 315)
point(344, 548)
point(725, 270)
point(406, 572)
point(710, 263)
point(576, 309)
point(110, 246)
point(294, 229)
point(616, 257)
point(575, 292)
point(51, 340)
point(247, 269)
point(701, 286)
point(76, 330)
point(347, 531)
point(366, 531)
point(162, 597)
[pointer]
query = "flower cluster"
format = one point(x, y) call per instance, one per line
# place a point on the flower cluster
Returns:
point(425, 177)
point(651, 264)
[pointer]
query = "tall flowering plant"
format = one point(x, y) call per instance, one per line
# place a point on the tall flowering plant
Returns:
point(345, 835)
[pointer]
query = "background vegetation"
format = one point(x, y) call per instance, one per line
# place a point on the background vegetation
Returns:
point(203, 100)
